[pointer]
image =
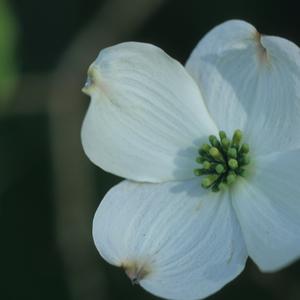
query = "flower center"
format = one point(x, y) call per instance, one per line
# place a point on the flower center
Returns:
point(223, 160)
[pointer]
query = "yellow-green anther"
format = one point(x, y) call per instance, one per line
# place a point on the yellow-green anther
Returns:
point(216, 154)
point(209, 180)
point(232, 153)
point(206, 165)
point(222, 135)
point(219, 168)
point(233, 164)
point(230, 179)
point(237, 137)
point(245, 148)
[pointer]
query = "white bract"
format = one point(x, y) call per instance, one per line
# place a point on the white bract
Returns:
point(147, 119)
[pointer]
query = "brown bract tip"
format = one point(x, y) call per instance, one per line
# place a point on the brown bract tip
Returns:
point(136, 271)
point(261, 50)
point(93, 80)
point(87, 86)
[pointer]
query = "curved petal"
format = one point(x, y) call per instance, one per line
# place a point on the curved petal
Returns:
point(251, 82)
point(146, 114)
point(268, 208)
point(177, 240)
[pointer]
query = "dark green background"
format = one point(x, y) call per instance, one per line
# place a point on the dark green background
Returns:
point(31, 264)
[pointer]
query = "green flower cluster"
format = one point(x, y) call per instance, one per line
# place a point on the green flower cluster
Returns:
point(223, 160)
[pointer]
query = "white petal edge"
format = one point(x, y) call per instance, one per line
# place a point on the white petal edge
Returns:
point(146, 118)
point(268, 209)
point(250, 82)
point(186, 240)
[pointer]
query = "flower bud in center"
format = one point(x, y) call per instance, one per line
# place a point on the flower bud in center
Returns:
point(222, 160)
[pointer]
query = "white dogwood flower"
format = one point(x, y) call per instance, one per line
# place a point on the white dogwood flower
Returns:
point(231, 116)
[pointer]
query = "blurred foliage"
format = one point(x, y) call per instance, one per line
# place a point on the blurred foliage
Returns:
point(8, 64)
point(47, 28)
point(30, 264)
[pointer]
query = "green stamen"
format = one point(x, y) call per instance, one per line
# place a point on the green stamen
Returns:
point(222, 135)
point(209, 180)
point(200, 159)
point(222, 161)
point(230, 179)
point(225, 143)
point(233, 164)
point(214, 141)
point(245, 160)
point(205, 148)
point(232, 153)
point(220, 169)
point(206, 165)
point(245, 148)
point(216, 154)
point(222, 186)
